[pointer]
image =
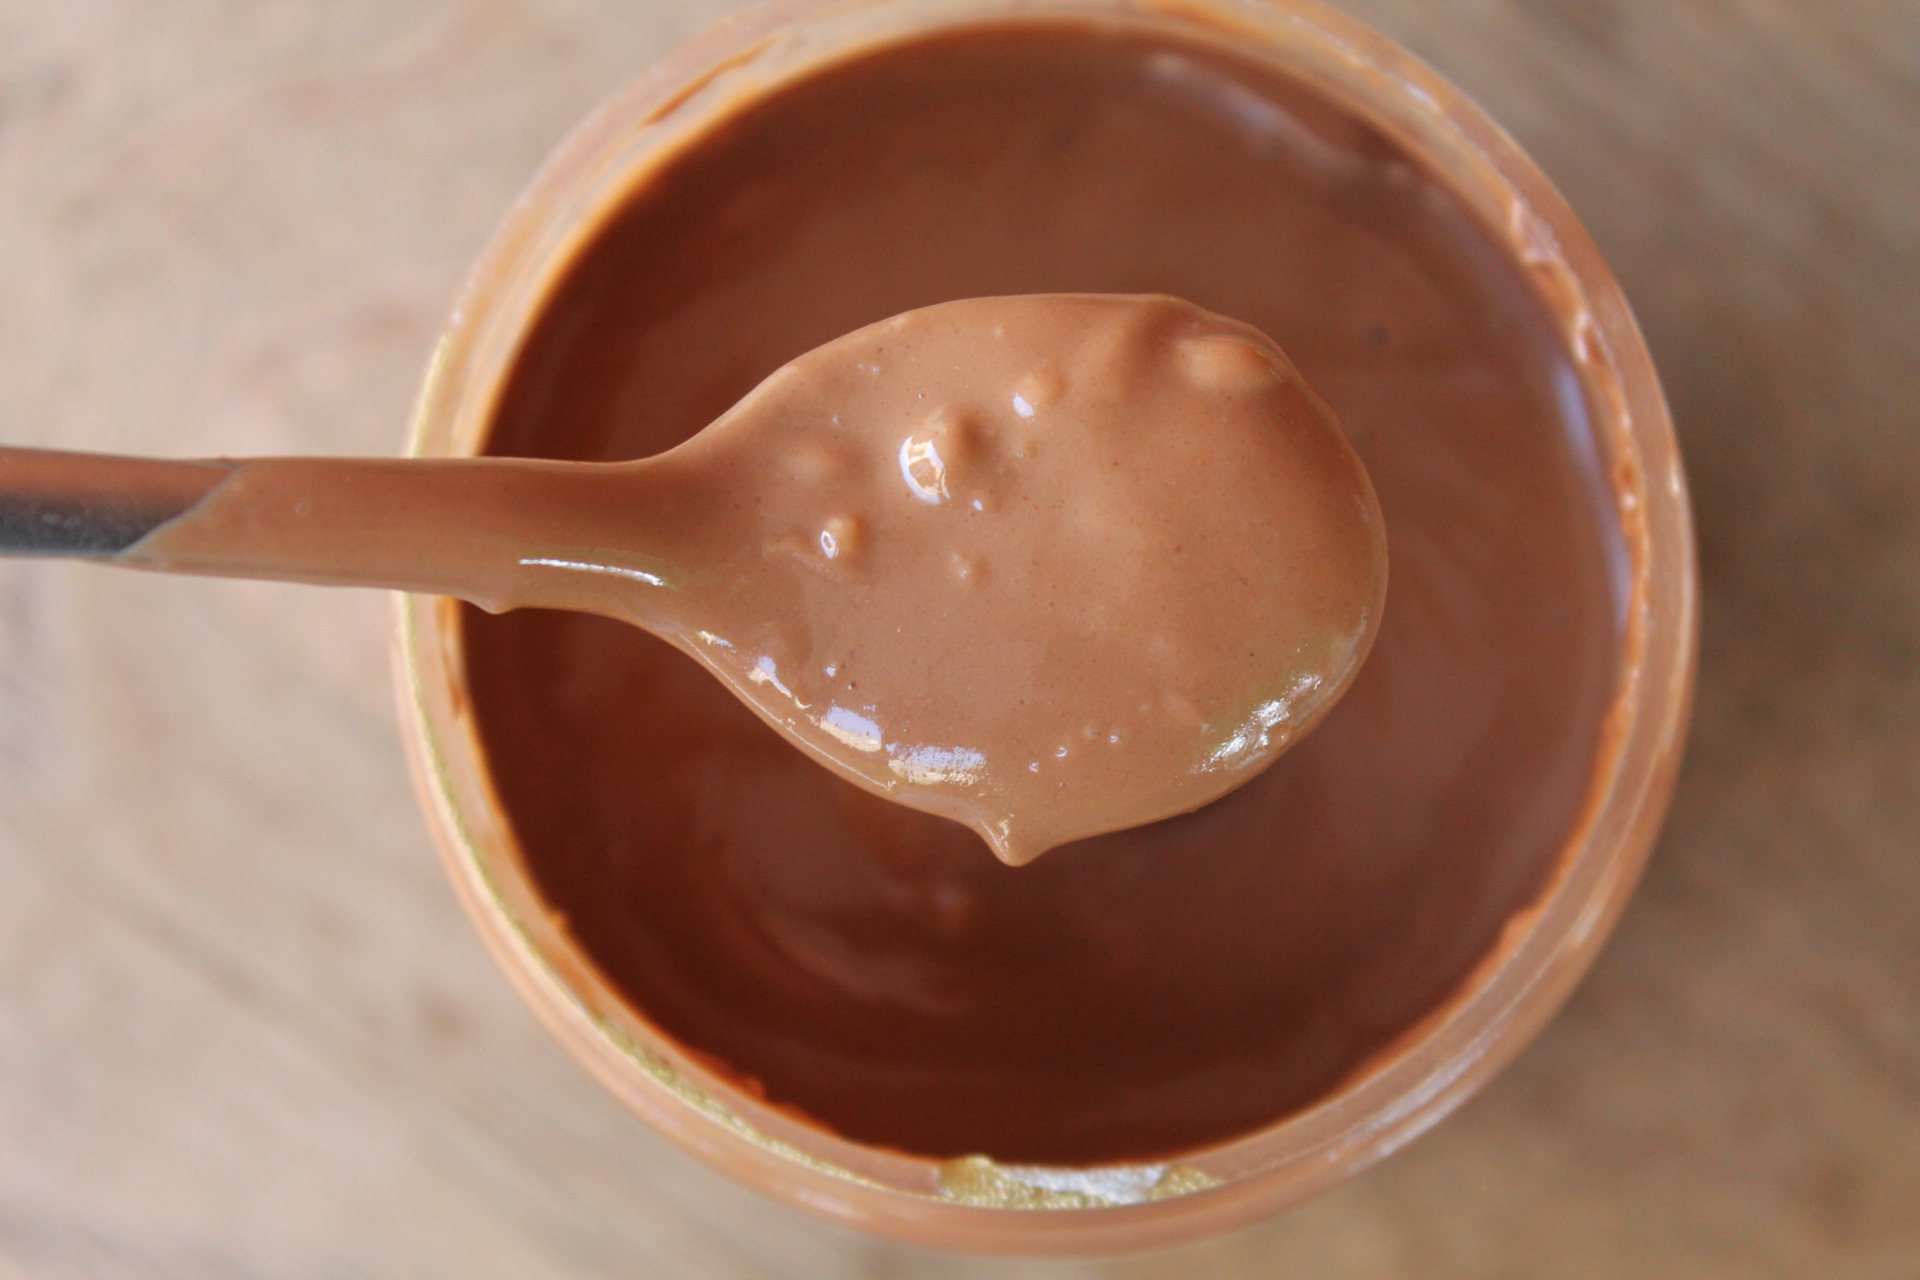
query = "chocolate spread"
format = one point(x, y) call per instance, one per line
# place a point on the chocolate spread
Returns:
point(1147, 991)
point(1050, 565)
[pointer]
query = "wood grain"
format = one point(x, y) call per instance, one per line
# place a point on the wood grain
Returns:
point(243, 1030)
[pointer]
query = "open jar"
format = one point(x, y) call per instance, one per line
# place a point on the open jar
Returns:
point(1155, 1035)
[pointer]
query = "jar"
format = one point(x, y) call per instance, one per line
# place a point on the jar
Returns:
point(1611, 395)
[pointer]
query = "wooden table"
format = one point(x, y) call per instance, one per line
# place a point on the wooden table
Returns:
point(243, 1029)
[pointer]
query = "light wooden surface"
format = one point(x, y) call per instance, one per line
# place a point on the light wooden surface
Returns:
point(243, 1029)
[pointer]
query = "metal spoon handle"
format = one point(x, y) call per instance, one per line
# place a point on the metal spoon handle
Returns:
point(92, 505)
point(500, 532)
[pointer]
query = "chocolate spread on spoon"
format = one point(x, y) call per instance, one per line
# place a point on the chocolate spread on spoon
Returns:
point(1050, 566)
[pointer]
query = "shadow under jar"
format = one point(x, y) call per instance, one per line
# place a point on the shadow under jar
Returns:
point(1164, 1032)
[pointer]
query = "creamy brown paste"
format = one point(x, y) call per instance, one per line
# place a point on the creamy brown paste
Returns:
point(1152, 990)
point(1050, 565)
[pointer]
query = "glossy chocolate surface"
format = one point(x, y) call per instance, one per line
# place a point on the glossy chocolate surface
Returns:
point(1145, 992)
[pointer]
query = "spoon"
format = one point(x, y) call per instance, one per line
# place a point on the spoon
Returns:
point(1049, 566)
